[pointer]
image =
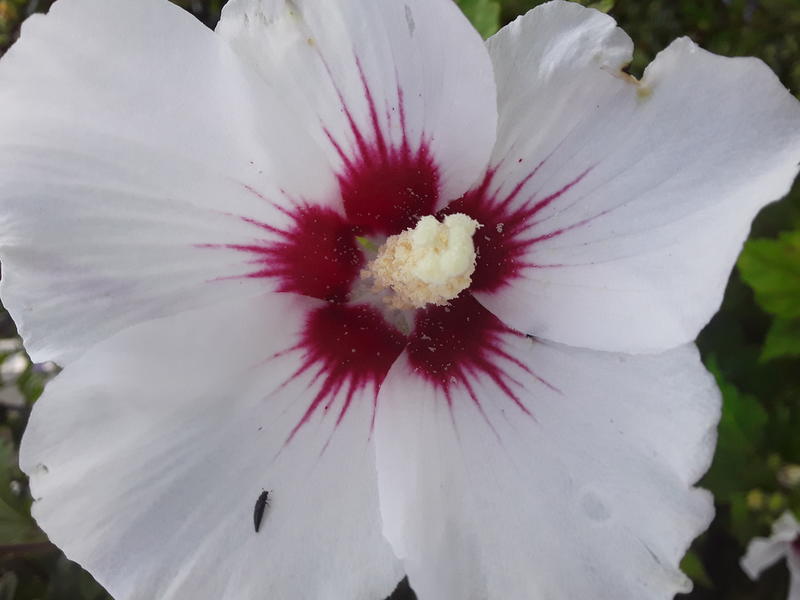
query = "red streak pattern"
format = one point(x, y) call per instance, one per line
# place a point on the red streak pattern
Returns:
point(385, 188)
point(317, 257)
point(387, 193)
point(346, 348)
point(453, 346)
point(503, 241)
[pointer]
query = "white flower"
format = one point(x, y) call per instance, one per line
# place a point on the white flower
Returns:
point(784, 542)
point(184, 219)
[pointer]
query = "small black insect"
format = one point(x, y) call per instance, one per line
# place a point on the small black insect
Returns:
point(261, 504)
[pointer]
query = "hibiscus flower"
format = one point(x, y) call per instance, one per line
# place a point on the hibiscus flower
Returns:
point(436, 297)
point(784, 542)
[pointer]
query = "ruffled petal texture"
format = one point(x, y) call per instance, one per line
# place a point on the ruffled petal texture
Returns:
point(147, 455)
point(555, 473)
point(401, 95)
point(615, 208)
point(132, 139)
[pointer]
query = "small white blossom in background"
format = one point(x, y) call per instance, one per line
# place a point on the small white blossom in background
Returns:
point(784, 543)
point(507, 409)
point(789, 476)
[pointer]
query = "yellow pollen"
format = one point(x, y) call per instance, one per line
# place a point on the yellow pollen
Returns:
point(429, 264)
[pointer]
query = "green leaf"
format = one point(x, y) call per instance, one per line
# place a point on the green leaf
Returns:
point(737, 465)
point(744, 524)
point(603, 5)
point(6, 460)
point(772, 268)
point(16, 526)
point(483, 14)
point(693, 567)
point(783, 339)
point(31, 384)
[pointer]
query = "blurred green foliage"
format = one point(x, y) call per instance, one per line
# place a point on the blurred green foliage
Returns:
point(772, 269)
point(484, 15)
point(752, 345)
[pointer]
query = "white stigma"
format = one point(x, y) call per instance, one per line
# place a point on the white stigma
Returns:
point(429, 264)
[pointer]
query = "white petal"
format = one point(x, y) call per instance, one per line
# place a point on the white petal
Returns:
point(587, 496)
point(785, 528)
point(630, 200)
point(409, 73)
point(147, 455)
point(762, 553)
point(129, 135)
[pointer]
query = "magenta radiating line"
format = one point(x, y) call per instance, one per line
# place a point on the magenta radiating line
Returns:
point(385, 187)
point(316, 256)
point(346, 349)
point(501, 244)
point(458, 344)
